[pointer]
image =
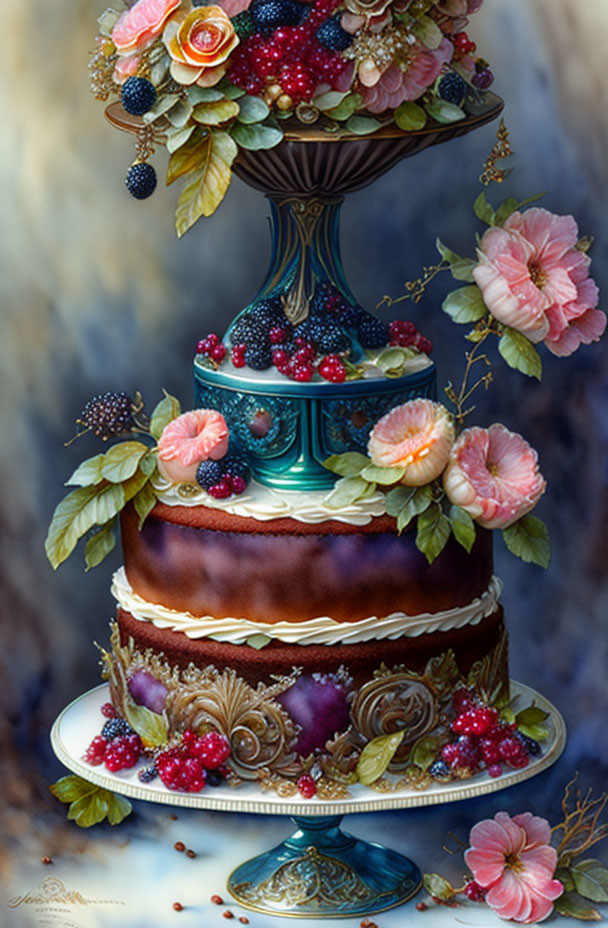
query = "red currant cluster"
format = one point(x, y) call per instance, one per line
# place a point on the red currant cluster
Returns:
point(306, 786)
point(484, 739)
point(212, 347)
point(118, 746)
point(406, 335)
point(287, 65)
point(463, 44)
point(228, 486)
point(183, 768)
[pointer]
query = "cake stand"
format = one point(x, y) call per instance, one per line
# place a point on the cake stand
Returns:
point(319, 871)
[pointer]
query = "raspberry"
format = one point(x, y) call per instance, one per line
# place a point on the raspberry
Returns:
point(179, 772)
point(513, 753)
point(123, 752)
point(332, 368)
point(307, 786)
point(450, 755)
point(463, 700)
point(217, 353)
point(209, 473)
point(212, 749)
point(108, 415)
point(469, 753)
point(423, 344)
point(238, 356)
point(96, 751)
point(108, 710)
point(221, 490)
point(280, 358)
point(495, 771)
point(116, 728)
point(278, 334)
point(138, 95)
point(490, 751)
point(141, 180)
point(475, 721)
point(402, 333)
point(474, 891)
point(303, 372)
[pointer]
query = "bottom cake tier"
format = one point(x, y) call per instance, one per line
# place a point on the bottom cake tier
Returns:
point(288, 710)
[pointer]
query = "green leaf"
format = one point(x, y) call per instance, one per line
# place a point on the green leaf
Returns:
point(424, 751)
point(99, 545)
point(144, 502)
point(164, 412)
point(437, 887)
point(90, 810)
point(463, 527)
point(159, 70)
point(564, 875)
point(398, 498)
point(530, 722)
point(434, 529)
point(511, 205)
point(88, 474)
point(230, 90)
point(574, 906)
point(376, 756)
point(520, 354)
point(256, 137)
point(216, 112)
point(345, 110)
point(393, 359)
point(508, 715)
point(428, 32)
point(208, 186)
point(107, 21)
point(444, 113)
point(178, 137)
point(188, 157)
point(134, 484)
point(118, 808)
point(77, 513)
point(362, 125)
point(330, 100)
point(345, 492)
point(179, 114)
point(70, 788)
point(252, 109)
point(385, 476)
point(121, 461)
point(465, 305)
point(406, 503)
point(460, 268)
point(148, 464)
point(591, 880)
point(198, 94)
point(529, 539)
point(162, 106)
point(347, 465)
point(150, 726)
point(410, 117)
point(258, 641)
point(483, 210)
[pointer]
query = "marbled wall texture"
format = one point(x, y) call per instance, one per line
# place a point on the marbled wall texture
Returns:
point(98, 294)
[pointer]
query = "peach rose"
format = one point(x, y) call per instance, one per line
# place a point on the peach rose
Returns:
point(493, 475)
point(199, 43)
point(417, 436)
point(188, 440)
point(141, 24)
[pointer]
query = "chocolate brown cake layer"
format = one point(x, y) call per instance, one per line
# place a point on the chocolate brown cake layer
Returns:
point(209, 563)
point(470, 644)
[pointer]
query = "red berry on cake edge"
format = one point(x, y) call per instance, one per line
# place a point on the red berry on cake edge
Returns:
point(306, 786)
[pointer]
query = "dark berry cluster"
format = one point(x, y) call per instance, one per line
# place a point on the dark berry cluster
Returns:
point(184, 767)
point(108, 415)
point(287, 49)
point(141, 180)
point(221, 479)
point(484, 741)
point(138, 95)
point(452, 88)
point(118, 746)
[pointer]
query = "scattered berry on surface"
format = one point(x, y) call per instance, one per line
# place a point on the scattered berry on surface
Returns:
point(108, 710)
point(439, 770)
point(179, 846)
point(306, 786)
point(216, 900)
point(147, 774)
point(474, 891)
point(141, 180)
point(495, 771)
point(178, 907)
point(138, 95)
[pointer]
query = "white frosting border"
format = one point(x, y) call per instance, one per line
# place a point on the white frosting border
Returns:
point(322, 630)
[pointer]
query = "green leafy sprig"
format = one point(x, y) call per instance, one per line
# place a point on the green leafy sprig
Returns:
point(104, 485)
point(90, 804)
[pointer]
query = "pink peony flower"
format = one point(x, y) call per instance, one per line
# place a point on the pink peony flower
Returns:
point(417, 436)
point(141, 24)
point(126, 66)
point(191, 438)
point(534, 279)
point(493, 475)
point(394, 85)
point(512, 860)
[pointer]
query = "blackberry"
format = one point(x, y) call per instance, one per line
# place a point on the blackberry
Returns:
point(147, 774)
point(108, 415)
point(332, 36)
point(318, 304)
point(439, 770)
point(333, 340)
point(266, 312)
point(235, 465)
point(243, 25)
point(373, 333)
point(115, 728)
point(351, 316)
point(214, 778)
point(258, 357)
point(138, 95)
point(267, 15)
point(452, 88)
point(305, 329)
point(246, 331)
point(531, 746)
point(141, 180)
point(209, 473)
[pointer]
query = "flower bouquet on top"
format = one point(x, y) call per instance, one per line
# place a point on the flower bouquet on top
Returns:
point(208, 79)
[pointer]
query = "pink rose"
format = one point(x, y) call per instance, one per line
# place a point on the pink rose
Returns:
point(493, 475)
point(188, 440)
point(394, 86)
point(511, 859)
point(417, 436)
point(534, 279)
point(138, 26)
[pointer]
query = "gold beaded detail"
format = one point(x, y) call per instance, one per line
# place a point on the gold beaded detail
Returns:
point(502, 149)
point(101, 68)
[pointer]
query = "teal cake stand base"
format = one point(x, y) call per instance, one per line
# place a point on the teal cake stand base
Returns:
point(323, 872)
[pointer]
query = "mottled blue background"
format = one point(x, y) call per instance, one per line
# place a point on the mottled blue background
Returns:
point(98, 294)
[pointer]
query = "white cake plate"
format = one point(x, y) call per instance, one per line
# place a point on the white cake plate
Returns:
point(319, 871)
